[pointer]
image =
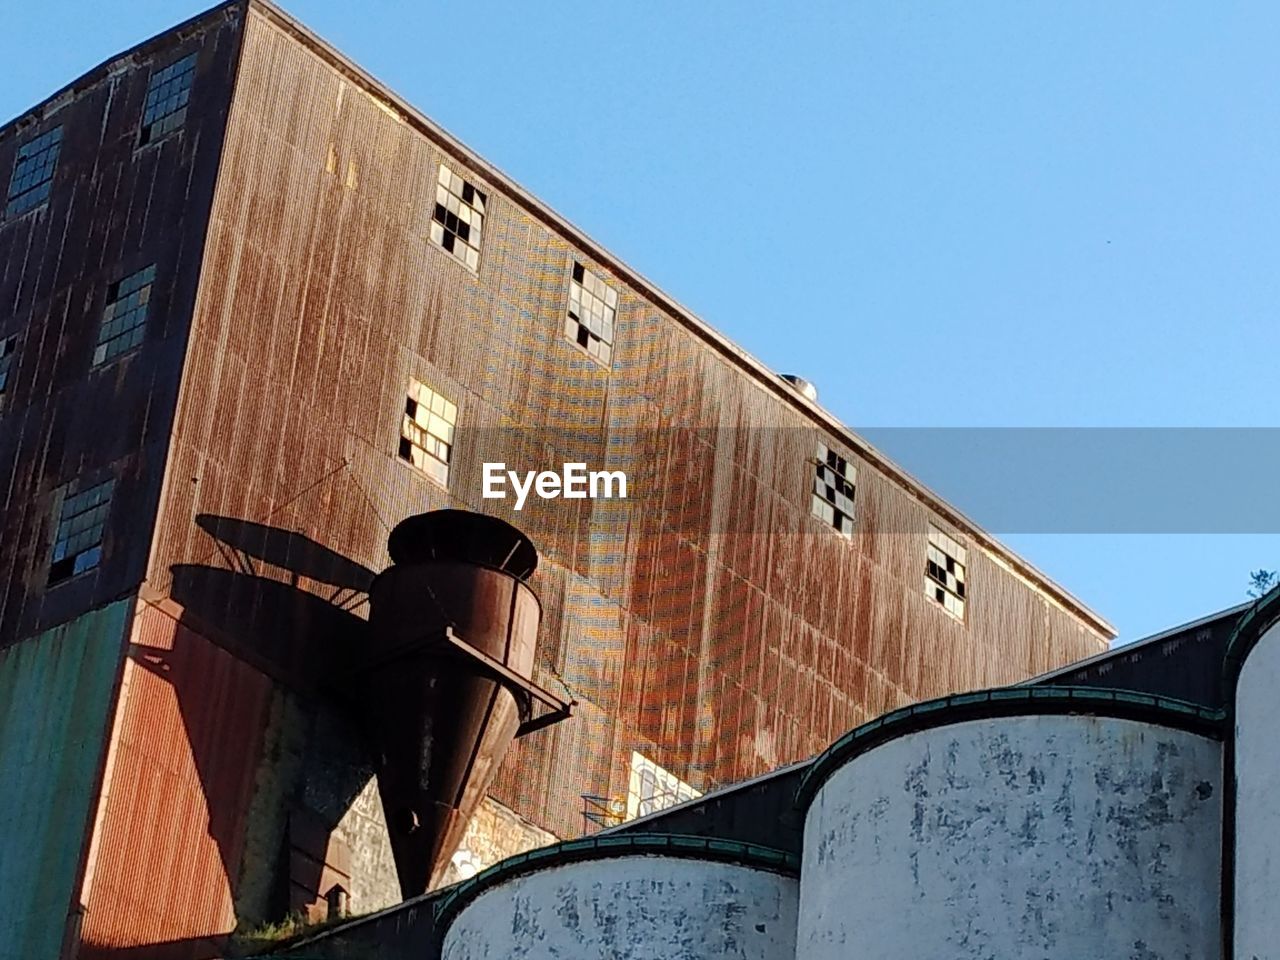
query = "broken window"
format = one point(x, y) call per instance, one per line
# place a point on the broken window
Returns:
point(458, 219)
point(426, 432)
point(8, 351)
point(593, 310)
point(77, 542)
point(167, 94)
point(124, 318)
point(651, 788)
point(944, 573)
point(33, 172)
point(833, 490)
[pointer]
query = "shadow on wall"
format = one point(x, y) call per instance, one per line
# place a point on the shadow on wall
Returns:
point(275, 626)
point(190, 948)
point(197, 948)
point(299, 555)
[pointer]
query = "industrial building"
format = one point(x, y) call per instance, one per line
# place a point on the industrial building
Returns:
point(256, 314)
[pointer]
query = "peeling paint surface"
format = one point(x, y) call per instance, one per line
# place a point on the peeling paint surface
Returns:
point(631, 908)
point(1257, 859)
point(1039, 837)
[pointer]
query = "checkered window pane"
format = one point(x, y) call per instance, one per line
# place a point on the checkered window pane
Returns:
point(124, 319)
point(167, 94)
point(834, 480)
point(33, 172)
point(77, 541)
point(458, 218)
point(8, 353)
point(944, 573)
point(426, 432)
point(593, 311)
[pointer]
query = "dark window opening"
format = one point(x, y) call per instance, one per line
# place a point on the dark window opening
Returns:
point(426, 432)
point(834, 488)
point(33, 172)
point(592, 314)
point(168, 93)
point(944, 572)
point(8, 353)
point(458, 219)
point(77, 541)
point(124, 318)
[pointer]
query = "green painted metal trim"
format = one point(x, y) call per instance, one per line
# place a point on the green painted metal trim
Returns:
point(1249, 630)
point(601, 848)
point(1006, 702)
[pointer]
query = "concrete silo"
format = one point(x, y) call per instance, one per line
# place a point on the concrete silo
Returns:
point(644, 897)
point(1253, 837)
point(1047, 823)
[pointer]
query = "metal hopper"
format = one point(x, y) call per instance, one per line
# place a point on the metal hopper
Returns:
point(447, 678)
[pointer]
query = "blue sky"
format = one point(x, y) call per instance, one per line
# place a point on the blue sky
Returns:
point(945, 215)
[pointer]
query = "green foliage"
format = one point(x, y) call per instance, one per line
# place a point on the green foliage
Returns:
point(273, 936)
point(1261, 582)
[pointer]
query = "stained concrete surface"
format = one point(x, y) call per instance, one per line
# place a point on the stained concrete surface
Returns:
point(1040, 837)
point(631, 908)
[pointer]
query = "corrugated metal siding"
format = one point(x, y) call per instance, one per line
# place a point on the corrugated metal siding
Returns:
point(55, 698)
point(721, 645)
point(113, 210)
point(179, 781)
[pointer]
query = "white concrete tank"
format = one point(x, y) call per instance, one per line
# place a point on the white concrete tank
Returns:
point(1254, 659)
point(1040, 823)
point(641, 897)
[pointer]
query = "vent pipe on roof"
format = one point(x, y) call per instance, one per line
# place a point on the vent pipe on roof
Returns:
point(801, 386)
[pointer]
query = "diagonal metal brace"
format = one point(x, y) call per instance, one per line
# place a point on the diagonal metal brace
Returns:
point(526, 692)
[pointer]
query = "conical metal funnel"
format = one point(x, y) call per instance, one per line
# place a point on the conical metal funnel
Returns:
point(447, 680)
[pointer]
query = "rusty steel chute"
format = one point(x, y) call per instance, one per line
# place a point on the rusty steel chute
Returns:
point(446, 678)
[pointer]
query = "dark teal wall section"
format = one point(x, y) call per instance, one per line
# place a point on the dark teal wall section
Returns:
point(55, 700)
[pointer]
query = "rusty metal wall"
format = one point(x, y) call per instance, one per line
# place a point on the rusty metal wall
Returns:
point(180, 777)
point(55, 702)
point(719, 651)
point(114, 208)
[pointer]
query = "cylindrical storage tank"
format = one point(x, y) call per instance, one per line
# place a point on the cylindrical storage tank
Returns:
point(642, 897)
point(1254, 670)
point(1048, 823)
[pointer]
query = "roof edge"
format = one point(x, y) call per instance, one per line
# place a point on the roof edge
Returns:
point(1006, 702)
point(35, 114)
point(1133, 645)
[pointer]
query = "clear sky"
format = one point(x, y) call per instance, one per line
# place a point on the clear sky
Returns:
point(944, 214)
